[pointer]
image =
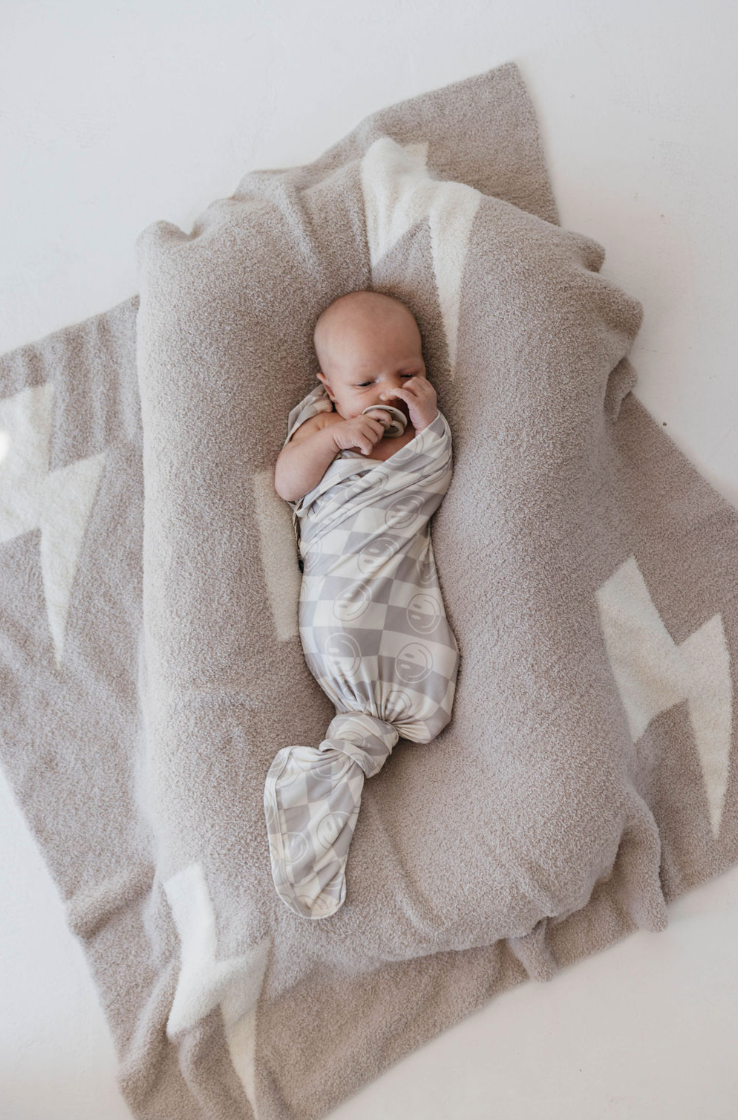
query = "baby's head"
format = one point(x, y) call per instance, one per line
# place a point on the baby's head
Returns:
point(366, 343)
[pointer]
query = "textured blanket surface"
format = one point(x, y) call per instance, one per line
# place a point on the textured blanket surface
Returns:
point(376, 638)
point(151, 661)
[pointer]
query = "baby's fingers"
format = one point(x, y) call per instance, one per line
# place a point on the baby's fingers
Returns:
point(376, 427)
point(393, 393)
point(420, 385)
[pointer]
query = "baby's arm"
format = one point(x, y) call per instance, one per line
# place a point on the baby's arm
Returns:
point(304, 460)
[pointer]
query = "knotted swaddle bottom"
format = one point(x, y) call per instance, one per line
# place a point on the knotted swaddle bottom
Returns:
point(311, 802)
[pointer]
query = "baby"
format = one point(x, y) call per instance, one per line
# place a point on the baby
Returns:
point(370, 350)
point(371, 617)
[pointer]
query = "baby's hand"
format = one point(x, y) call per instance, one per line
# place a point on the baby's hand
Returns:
point(361, 432)
point(420, 397)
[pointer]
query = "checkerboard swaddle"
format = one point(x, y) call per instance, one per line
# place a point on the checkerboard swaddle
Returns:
point(375, 635)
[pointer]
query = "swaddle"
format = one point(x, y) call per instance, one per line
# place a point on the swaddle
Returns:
point(375, 636)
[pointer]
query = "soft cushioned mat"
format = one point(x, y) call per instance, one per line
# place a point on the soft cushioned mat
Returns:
point(151, 663)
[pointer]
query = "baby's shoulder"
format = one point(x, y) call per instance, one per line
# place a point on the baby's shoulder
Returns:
point(313, 424)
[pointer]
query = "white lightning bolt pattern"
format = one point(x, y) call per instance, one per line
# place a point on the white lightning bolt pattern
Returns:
point(57, 502)
point(399, 193)
point(277, 544)
point(653, 673)
point(205, 982)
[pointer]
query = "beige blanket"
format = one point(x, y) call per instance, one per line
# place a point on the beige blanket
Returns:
point(150, 659)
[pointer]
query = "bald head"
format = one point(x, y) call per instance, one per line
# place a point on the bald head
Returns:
point(366, 342)
point(356, 317)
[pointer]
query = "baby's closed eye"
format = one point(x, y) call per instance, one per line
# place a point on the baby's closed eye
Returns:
point(363, 383)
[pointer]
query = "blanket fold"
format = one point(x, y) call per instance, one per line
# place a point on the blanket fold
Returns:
point(566, 646)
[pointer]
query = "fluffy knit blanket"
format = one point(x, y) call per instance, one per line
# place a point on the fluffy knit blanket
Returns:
point(151, 661)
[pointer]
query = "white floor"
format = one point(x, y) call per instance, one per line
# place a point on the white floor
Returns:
point(113, 115)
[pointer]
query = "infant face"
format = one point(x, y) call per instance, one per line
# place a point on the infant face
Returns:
point(367, 344)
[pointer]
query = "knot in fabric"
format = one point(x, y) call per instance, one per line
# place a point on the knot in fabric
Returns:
point(364, 738)
point(312, 797)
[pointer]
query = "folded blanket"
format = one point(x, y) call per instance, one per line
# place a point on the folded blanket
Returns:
point(375, 636)
point(151, 659)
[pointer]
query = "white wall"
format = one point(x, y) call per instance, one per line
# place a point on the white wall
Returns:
point(113, 115)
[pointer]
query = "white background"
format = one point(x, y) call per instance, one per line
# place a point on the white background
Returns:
point(116, 114)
